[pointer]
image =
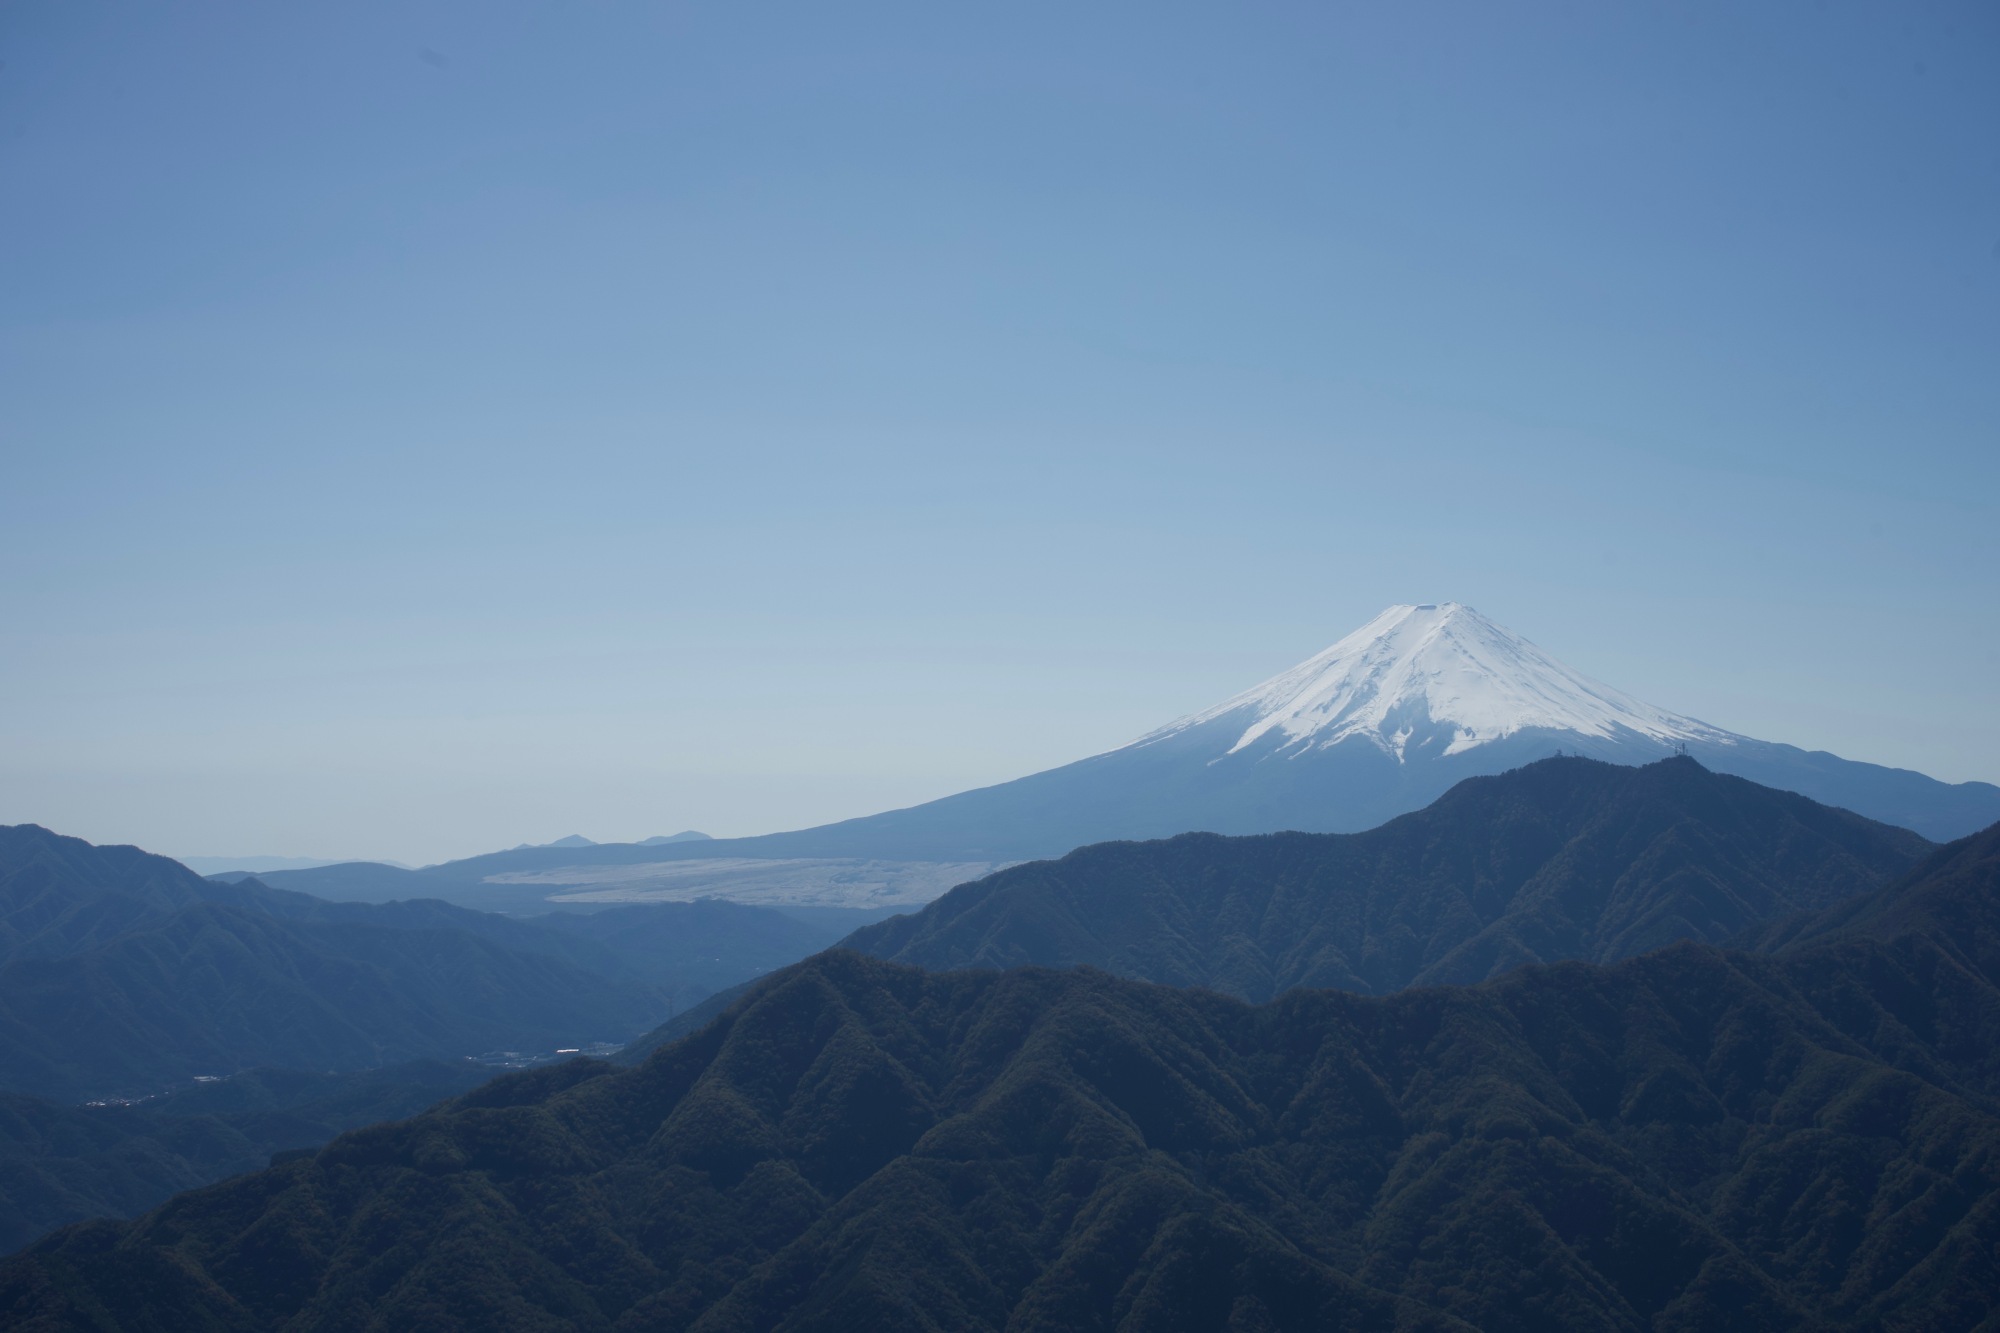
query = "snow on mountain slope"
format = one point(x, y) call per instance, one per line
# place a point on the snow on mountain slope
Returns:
point(1380, 724)
point(1435, 673)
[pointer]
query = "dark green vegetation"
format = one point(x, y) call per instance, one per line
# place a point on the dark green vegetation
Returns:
point(1566, 858)
point(1694, 1139)
point(62, 1164)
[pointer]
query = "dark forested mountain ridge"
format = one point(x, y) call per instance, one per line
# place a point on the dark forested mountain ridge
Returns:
point(125, 973)
point(1931, 939)
point(1563, 859)
point(1689, 1140)
point(61, 895)
point(1942, 898)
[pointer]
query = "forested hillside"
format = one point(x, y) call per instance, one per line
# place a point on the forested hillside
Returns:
point(1565, 858)
point(1694, 1139)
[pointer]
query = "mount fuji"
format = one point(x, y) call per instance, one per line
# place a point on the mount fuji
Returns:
point(1380, 724)
point(1430, 682)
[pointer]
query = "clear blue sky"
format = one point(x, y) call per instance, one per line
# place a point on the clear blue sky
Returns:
point(429, 427)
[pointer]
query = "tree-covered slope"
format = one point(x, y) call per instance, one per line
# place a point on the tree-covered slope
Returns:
point(1931, 940)
point(1693, 1139)
point(62, 896)
point(1565, 858)
point(1940, 898)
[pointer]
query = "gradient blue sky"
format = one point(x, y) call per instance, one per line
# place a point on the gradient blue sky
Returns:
point(429, 427)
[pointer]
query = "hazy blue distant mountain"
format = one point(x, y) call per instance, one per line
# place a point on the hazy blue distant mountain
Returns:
point(572, 840)
point(539, 880)
point(254, 865)
point(661, 840)
point(125, 973)
point(345, 881)
point(1563, 859)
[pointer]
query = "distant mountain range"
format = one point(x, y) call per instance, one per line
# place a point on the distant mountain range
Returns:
point(1381, 723)
point(256, 865)
point(578, 840)
point(125, 976)
point(1691, 1140)
point(123, 973)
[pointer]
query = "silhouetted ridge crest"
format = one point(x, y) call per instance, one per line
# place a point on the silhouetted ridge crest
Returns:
point(1564, 858)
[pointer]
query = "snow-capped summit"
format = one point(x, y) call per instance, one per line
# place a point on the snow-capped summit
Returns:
point(1438, 679)
point(1380, 724)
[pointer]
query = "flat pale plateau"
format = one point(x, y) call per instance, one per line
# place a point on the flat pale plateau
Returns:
point(787, 882)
